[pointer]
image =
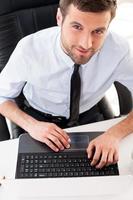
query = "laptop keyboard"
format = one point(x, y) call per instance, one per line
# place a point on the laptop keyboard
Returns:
point(61, 164)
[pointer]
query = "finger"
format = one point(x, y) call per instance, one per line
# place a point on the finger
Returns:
point(50, 144)
point(96, 156)
point(115, 157)
point(110, 158)
point(63, 133)
point(56, 141)
point(63, 141)
point(90, 150)
point(103, 160)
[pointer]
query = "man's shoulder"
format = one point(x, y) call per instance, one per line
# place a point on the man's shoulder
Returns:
point(117, 42)
point(39, 37)
point(46, 33)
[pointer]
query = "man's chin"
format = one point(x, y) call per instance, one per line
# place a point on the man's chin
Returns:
point(81, 61)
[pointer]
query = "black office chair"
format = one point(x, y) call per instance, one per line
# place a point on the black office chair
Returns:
point(19, 18)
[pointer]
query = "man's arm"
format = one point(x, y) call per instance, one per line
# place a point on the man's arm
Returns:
point(55, 137)
point(104, 149)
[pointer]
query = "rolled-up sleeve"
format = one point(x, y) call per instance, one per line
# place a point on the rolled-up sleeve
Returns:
point(14, 75)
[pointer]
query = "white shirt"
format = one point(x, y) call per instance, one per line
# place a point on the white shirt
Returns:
point(40, 62)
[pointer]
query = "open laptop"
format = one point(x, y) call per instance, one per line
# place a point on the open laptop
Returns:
point(79, 188)
point(37, 160)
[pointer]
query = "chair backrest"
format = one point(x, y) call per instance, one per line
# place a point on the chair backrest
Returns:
point(125, 98)
point(19, 18)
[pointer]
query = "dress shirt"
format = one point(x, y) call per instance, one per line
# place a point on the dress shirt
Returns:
point(39, 61)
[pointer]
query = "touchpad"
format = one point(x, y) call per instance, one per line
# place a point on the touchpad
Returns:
point(79, 141)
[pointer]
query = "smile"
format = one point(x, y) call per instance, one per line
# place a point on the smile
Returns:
point(82, 51)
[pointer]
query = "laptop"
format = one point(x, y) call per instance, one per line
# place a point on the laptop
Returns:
point(37, 160)
point(64, 187)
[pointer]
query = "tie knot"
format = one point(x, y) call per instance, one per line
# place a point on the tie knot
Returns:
point(76, 67)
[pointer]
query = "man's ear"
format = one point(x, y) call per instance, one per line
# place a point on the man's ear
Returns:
point(59, 17)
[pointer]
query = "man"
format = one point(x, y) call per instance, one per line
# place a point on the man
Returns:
point(47, 62)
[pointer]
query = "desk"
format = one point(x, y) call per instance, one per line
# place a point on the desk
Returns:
point(8, 151)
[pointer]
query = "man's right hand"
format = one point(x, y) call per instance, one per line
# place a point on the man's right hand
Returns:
point(49, 133)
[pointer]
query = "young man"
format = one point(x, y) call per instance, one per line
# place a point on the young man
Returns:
point(47, 62)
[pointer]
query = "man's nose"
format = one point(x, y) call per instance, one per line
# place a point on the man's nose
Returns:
point(86, 41)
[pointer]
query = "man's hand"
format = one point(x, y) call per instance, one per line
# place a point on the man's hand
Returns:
point(103, 150)
point(49, 133)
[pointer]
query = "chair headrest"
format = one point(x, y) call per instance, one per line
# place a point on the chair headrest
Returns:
point(9, 6)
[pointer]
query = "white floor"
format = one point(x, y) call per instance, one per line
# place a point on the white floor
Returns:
point(123, 22)
point(123, 25)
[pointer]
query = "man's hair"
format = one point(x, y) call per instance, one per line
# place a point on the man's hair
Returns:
point(96, 6)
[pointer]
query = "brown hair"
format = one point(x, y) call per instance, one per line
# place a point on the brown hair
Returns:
point(89, 6)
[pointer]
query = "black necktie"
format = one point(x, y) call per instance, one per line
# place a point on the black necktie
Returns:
point(74, 96)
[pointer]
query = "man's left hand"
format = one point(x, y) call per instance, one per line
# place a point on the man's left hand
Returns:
point(103, 150)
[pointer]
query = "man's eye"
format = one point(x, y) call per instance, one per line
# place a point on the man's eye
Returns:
point(99, 32)
point(77, 27)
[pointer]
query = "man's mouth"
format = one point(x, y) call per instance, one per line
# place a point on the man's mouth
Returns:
point(83, 51)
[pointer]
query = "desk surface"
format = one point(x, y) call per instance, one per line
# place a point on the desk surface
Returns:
point(9, 149)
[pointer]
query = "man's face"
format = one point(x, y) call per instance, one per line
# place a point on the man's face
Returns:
point(82, 33)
